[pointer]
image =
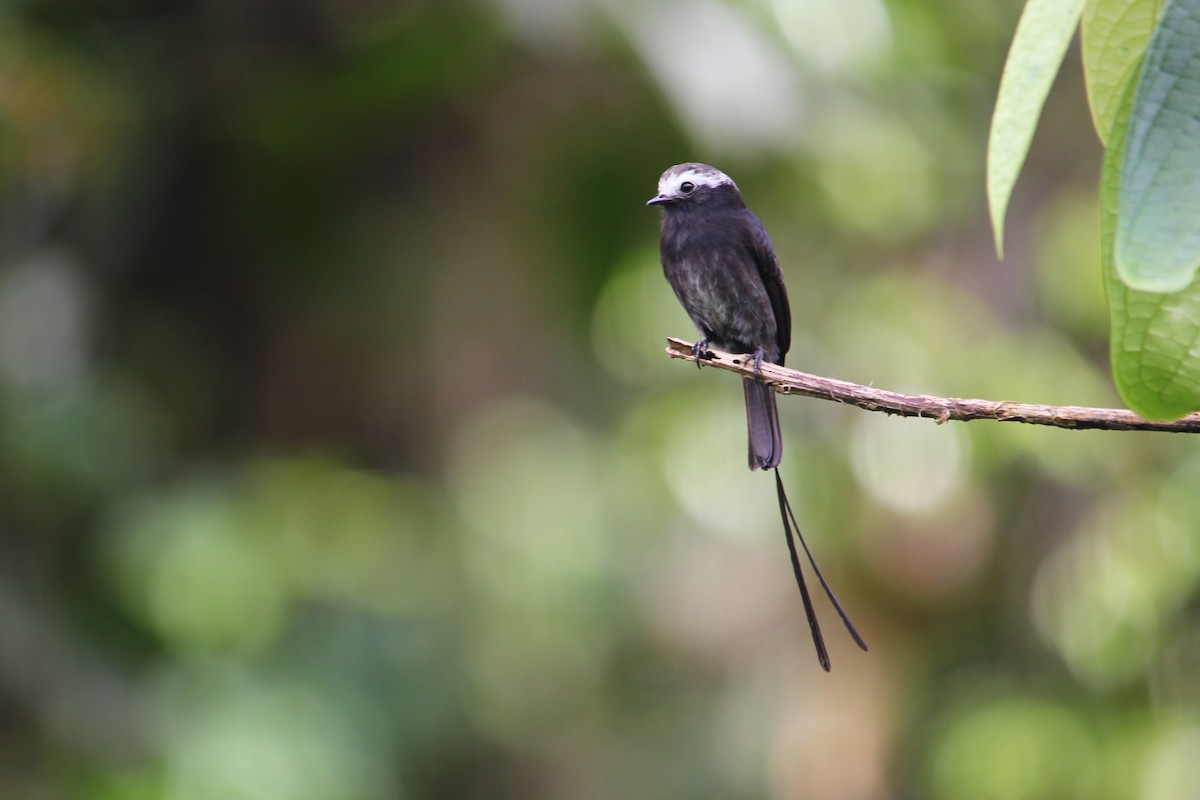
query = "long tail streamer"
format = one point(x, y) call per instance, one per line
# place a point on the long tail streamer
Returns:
point(786, 514)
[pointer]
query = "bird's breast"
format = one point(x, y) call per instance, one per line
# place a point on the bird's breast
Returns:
point(717, 282)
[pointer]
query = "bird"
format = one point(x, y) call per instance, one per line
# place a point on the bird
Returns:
point(719, 260)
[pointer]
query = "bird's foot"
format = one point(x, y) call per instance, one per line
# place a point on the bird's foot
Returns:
point(701, 353)
point(756, 359)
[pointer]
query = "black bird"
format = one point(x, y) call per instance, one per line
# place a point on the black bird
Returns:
point(718, 258)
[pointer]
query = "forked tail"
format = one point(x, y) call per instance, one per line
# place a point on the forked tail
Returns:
point(785, 513)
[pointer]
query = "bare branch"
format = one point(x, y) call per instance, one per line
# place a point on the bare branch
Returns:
point(940, 409)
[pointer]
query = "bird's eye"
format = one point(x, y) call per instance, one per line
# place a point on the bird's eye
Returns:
point(687, 187)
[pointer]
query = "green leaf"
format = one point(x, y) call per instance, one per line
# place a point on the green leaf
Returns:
point(1114, 36)
point(1037, 51)
point(1158, 239)
point(1155, 348)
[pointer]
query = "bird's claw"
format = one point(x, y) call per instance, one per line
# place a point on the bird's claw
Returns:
point(701, 353)
point(756, 359)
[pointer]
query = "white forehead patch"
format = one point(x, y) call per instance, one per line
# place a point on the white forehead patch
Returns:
point(699, 174)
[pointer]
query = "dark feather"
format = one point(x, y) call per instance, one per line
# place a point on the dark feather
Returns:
point(762, 423)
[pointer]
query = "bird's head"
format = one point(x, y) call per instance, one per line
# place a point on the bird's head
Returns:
point(692, 183)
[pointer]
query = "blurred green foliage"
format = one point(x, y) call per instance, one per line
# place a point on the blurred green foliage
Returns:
point(339, 457)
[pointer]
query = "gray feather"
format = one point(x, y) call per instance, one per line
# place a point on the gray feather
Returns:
point(762, 423)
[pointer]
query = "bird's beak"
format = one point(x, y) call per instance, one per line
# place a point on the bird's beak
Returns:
point(657, 200)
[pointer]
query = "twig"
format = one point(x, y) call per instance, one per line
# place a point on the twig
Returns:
point(939, 409)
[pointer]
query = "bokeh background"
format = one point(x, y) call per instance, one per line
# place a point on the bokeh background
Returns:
point(339, 456)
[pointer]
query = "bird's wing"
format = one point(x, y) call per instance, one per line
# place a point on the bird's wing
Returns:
point(772, 278)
